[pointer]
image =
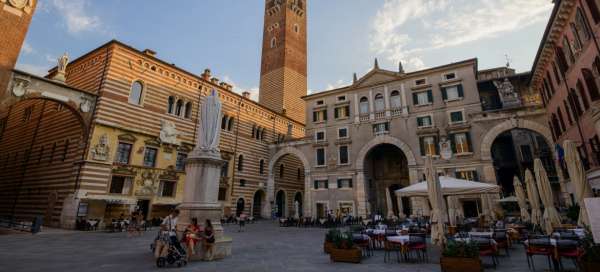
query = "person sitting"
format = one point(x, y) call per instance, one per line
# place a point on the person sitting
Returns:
point(191, 236)
point(209, 240)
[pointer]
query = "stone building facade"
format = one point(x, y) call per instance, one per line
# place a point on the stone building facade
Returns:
point(567, 74)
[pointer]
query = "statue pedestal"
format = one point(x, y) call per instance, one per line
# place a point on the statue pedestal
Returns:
point(200, 200)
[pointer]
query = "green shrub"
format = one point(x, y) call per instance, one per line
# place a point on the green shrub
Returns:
point(461, 249)
point(591, 249)
point(331, 234)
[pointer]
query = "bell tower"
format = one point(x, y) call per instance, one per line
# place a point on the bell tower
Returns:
point(283, 74)
point(15, 16)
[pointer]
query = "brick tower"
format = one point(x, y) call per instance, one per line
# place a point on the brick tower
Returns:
point(283, 79)
point(15, 16)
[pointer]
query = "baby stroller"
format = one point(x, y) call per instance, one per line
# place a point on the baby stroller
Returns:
point(175, 254)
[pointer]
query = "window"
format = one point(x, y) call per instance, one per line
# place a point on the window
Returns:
point(570, 114)
point(449, 76)
point(242, 183)
point(180, 162)
point(120, 185)
point(452, 93)
point(27, 114)
point(261, 167)
point(364, 106)
point(428, 146)
point(296, 28)
point(456, 117)
point(593, 7)
point(462, 143)
point(342, 112)
point(188, 110)
point(240, 165)
point(556, 75)
point(320, 156)
point(167, 188)
point(342, 133)
point(561, 60)
point(171, 105)
point(590, 82)
point(224, 122)
point(135, 95)
point(150, 157)
point(582, 97)
point(581, 28)
point(395, 101)
point(468, 175)
point(123, 153)
point(424, 121)
point(320, 115)
point(423, 98)
point(281, 170)
point(298, 174)
point(578, 43)
point(222, 194)
point(341, 98)
point(320, 136)
point(273, 42)
point(344, 154)
point(568, 50)
point(230, 124)
point(381, 128)
point(320, 102)
point(321, 184)
point(178, 107)
point(344, 183)
point(379, 103)
point(421, 81)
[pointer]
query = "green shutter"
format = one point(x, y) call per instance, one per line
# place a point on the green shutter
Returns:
point(316, 184)
point(436, 145)
point(315, 116)
point(444, 94)
point(460, 91)
point(422, 146)
point(452, 142)
point(430, 96)
point(469, 141)
point(415, 99)
point(336, 113)
point(419, 121)
point(324, 115)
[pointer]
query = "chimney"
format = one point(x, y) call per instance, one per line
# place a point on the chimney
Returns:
point(206, 74)
point(246, 94)
point(150, 52)
point(214, 80)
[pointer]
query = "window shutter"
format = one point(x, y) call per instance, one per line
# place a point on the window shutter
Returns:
point(325, 115)
point(422, 146)
point(316, 184)
point(444, 94)
point(314, 116)
point(350, 183)
point(326, 184)
point(339, 183)
point(460, 91)
point(336, 113)
point(436, 145)
point(419, 121)
point(475, 176)
point(415, 99)
point(430, 96)
point(452, 142)
point(469, 141)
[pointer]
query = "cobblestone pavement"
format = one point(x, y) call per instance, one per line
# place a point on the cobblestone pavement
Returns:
point(263, 246)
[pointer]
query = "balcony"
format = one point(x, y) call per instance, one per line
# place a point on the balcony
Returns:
point(380, 115)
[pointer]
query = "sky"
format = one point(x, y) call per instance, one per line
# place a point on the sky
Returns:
point(344, 36)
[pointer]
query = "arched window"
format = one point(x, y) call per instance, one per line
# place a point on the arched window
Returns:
point(224, 122)
point(296, 28)
point(395, 101)
point(135, 95)
point(240, 165)
point(582, 97)
point(379, 103)
point(170, 104)
point(273, 42)
point(188, 110)
point(178, 107)
point(364, 106)
point(230, 124)
point(281, 170)
point(590, 82)
point(261, 167)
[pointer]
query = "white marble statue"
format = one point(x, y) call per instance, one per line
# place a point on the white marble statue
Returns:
point(168, 132)
point(62, 63)
point(209, 132)
point(296, 209)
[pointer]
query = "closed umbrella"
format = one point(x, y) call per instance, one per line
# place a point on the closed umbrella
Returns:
point(521, 200)
point(451, 211)
point(578, 178)
point(460, 213)
point(487, 207)
point(550, 216)
point(534, 198)
point(436, 199)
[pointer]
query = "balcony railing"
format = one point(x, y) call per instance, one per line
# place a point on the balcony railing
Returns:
point(380, 115)
point(396, 111)
point(364, 117)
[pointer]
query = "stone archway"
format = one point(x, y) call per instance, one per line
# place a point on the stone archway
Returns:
point(488, 140)
point(285, 151)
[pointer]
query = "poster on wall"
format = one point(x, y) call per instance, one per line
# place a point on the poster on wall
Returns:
point(593, 204)
point(82, 211)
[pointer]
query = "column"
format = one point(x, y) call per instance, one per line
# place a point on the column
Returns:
point(360, 194)
point(371, 106)
point(307, 205)
point(270, 198)
point(387, 101)
point(356, 109)
point(404, 101)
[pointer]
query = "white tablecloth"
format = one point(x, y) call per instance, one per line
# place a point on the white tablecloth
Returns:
point(477, 233)
point(469, 239)
point(552, 241)
point(402, 239)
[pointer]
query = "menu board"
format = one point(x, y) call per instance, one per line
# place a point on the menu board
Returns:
point(593, 206)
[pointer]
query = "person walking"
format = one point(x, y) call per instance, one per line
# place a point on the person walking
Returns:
point(242, 221)
point(209, 241)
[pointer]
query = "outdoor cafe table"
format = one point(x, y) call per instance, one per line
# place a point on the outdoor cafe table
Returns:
point(481, 234)
point(554, 243)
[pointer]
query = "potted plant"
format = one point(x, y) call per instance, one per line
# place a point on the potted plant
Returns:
point(590, 261)
point(461, 257)
point(329, 240)
point(344, 249)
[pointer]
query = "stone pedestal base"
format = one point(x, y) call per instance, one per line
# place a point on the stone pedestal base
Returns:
point(221, 250)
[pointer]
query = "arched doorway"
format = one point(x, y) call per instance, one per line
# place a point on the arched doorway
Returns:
point(258, 203)
point(239, 207)
point(386, 170)
point(280, 204)
point(298, 203)
point(513, 152)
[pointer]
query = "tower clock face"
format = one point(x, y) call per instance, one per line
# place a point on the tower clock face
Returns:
point(18, 3)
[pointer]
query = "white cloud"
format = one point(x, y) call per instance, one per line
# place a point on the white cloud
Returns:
point(27, 49)
point(445, 23)
point(253, 91)
point(338, 84)
point(38, 70)
point(76, 16)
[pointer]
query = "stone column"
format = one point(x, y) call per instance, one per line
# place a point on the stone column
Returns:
point(307, 205)
point(386, 101)
point(356, 109)
point(360, 194)
point(404, 101)
point(371, 106)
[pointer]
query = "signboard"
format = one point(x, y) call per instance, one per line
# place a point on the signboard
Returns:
point(593, 204)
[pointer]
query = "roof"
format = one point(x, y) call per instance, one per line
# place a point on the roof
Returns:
point(544, 38)
point(54, 82)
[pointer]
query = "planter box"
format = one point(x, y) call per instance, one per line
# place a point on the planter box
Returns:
point(586, 266)
point(327, 246)
point(460, 264)
point(353, 255)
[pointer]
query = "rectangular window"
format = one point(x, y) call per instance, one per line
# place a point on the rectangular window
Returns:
point(320, 116)
point(344, 154)
point(449, 76)
point(342, 133)
point(344, 183)
point(461, 143)
point(421, 81)
point(123, 153)
point(452, 93)
point(423, 98)
point(321, 184)
point(320, 136)
point(222, 194)
point(342, 112)
point(320, 102)
point(150, 157)
point(428, 146)
point(120, 185)
point(320, 156)
point(467, 175)
point(381, 128)
point(424, 121)
point(341, 98)
point(167, 188)
point(180, 162)
point(456, 117)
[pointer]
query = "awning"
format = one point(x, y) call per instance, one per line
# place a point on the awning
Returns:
point(450, 186)
point(112, 199)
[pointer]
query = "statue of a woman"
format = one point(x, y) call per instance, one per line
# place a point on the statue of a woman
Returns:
point(209, 131)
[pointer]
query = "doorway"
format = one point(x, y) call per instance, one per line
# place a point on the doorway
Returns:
point(257, 203)
point(143, 206)
point(239, 208)
point(470, 208)
point(321, 210)
point(280, 200)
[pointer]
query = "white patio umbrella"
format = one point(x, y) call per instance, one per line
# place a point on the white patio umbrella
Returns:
point(521, 200)
point(487, 207)
point(436, 199)
point(550, 216)
point(455, 213)
point(534, 198)
point(578, 177)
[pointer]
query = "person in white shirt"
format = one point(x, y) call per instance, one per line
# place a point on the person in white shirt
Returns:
point(169, 225)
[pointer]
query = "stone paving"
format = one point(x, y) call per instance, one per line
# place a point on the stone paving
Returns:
point(263, 246)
